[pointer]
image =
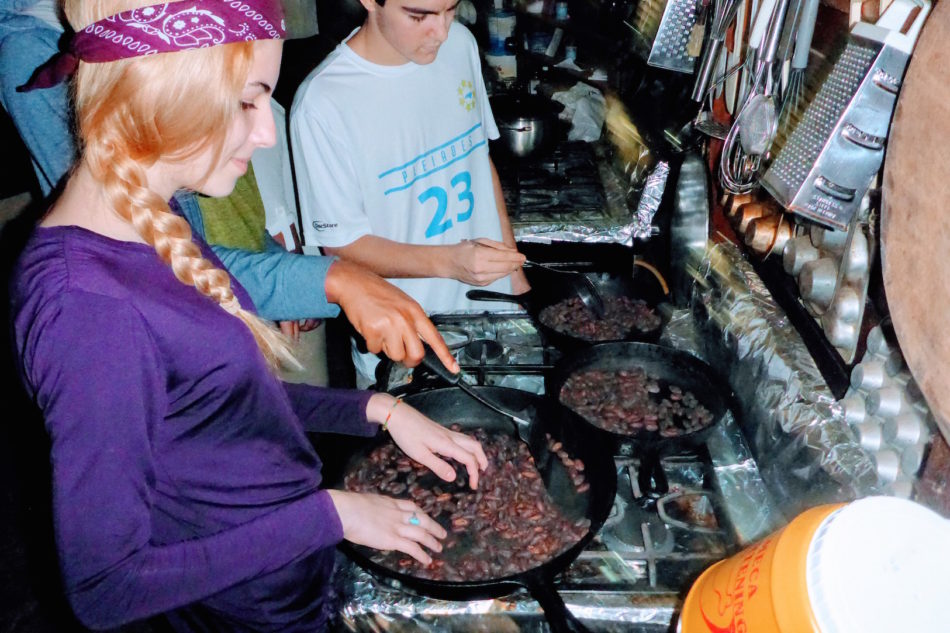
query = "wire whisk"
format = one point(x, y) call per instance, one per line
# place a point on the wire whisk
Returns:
point(796, 79)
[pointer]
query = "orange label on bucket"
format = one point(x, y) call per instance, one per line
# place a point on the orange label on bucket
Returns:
point(729, 611)
point(737, 595)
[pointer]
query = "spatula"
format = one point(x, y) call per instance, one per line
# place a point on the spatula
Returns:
point(519, 419)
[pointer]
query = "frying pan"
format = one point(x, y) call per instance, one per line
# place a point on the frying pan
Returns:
point(548, 288)
point(669, 367)
point(452, 406)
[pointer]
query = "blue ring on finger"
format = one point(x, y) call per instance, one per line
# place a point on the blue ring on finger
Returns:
point(414, 519)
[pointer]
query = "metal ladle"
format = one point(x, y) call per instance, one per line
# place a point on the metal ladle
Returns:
point(581, 285)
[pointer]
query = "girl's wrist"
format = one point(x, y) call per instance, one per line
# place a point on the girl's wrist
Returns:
point(389, 414)
point(378, 407)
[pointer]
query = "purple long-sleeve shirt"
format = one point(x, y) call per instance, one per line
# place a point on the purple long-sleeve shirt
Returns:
point(182, 476)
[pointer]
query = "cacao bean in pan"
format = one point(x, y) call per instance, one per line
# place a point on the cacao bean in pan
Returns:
point(630, 401)
point(622, 316)
point(507, 526)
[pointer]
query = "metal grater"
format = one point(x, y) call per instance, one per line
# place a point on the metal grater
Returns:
point(826, 165)
point(669, 48)
point(646, 22)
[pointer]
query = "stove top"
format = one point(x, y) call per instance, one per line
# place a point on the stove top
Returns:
point(650, 548)
point(496, 349)
point(565, 185)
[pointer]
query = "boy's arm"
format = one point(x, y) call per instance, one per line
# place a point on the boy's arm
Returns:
point(519, 283)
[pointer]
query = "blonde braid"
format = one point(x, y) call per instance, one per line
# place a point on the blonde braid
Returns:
point(124, 183)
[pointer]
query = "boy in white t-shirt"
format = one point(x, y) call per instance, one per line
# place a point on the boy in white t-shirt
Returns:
point(390, 141)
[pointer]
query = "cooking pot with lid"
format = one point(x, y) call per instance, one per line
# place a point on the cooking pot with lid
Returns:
point(528, 124)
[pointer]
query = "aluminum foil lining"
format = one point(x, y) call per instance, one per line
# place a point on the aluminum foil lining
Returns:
point(371, 606)
point(746, 497)
point(628, 215)
point(650, 200)
point(805, 451)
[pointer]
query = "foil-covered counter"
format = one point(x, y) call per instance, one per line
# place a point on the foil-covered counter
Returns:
point(617, 584)
point(374, 607)
point(788, 448)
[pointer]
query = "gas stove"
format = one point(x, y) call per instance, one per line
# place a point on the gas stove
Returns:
point(564, 185)
point(631, 576)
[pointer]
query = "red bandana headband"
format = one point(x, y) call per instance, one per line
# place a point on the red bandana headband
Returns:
point(164, 28)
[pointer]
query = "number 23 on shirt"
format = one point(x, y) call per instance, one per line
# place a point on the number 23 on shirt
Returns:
point(448, 208)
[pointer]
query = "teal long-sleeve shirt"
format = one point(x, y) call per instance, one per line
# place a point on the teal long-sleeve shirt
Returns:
point(284, 286)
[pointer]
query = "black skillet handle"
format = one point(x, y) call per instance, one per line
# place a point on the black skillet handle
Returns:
point(557, 614)
point(434, 364)
point(490, 295)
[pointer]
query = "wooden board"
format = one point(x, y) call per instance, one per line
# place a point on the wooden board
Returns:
point(916, 216)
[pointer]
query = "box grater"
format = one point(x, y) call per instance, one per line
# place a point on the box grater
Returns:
point(670, 49)
point(826, 165)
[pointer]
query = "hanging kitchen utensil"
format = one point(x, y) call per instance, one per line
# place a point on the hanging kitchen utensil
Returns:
point(796, 80)
point(760, 21)
point(670, 48)
point(581, 285)
point(548, 290)
point(784, 51)
point(759, 125)
point(724, 12)
point(668, 367)
point(826, 165)
point(738, 166)
point(451, 406)
point(734, 57)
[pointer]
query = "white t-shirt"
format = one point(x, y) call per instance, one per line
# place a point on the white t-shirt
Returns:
point(400, 152)
point(276, 185)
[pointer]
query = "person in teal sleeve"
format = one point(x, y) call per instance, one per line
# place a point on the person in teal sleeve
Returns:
point(29, 34)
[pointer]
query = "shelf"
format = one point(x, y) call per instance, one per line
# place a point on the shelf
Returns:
point(583, 32)
point(539, 59)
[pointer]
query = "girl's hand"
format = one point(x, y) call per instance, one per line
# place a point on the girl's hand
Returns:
point(308, 325)
point(385, 523)
point(424, 440)
point(290, 329)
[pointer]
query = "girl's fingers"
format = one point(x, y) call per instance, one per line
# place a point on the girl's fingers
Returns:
point(473, 446)
point(405, 505)
point(412, 548)
point(438, 465)
point(450, 448)
point(419, 535)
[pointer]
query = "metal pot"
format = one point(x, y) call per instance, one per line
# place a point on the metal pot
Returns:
point(528, 124)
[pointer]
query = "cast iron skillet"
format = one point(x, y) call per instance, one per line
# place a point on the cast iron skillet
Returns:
point(453, 406)
point(548, 288)
point(669, 366)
